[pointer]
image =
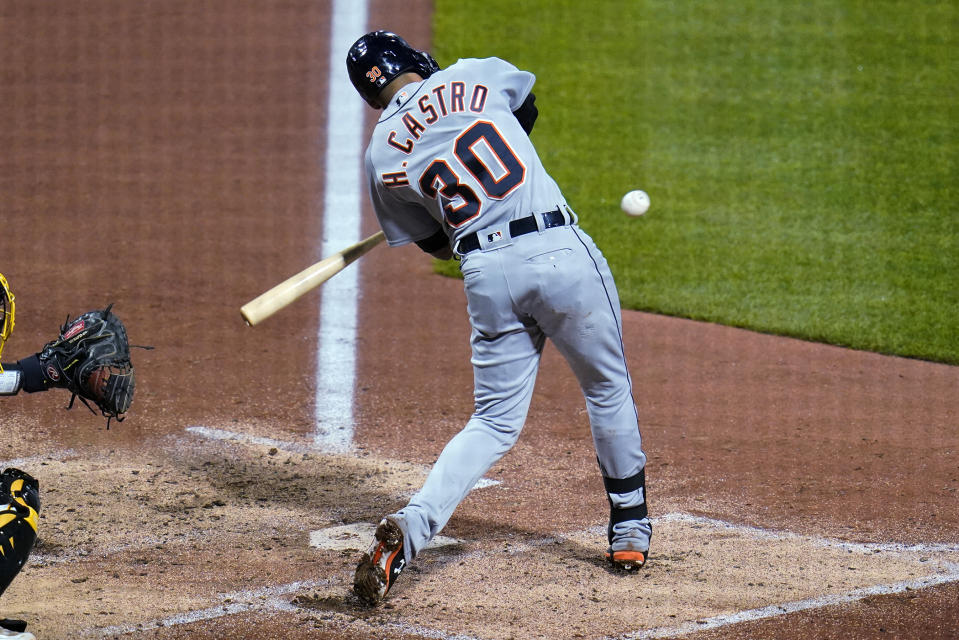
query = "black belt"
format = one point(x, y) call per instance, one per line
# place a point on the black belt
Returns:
point(555, 218)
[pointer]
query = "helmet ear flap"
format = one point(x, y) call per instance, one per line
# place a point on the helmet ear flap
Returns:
point(430, 65)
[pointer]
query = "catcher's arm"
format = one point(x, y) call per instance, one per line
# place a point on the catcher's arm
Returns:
point(90, 358)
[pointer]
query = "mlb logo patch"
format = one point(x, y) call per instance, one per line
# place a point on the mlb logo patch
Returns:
point(495, 236)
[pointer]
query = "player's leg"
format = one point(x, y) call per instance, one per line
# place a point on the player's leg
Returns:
point(504, 374)
point(581, 315)
point(19, 513)
point(505, 357)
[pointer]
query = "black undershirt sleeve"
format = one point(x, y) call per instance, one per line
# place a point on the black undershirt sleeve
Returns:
point(32, 378)
point(435, 242)
point(526, 113)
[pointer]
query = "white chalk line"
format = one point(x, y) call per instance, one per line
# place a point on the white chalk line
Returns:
point(231, 604)
point(770, 534)
point(827, 600)
point(269, 598)
point(264, 600)
point(224, 435)
point(336, 339)
point(776, 610)
point(24, 464)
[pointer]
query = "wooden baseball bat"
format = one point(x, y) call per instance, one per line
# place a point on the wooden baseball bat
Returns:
point(266, 304)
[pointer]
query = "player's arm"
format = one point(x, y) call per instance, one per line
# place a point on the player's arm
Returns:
point(403, 221)
point(26, 374)
point(90, 359)
point(516, 87)
point(30, 375)
point(437, 245)
point(11, 380)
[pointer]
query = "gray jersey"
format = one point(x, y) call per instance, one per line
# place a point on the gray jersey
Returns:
point(448, 153)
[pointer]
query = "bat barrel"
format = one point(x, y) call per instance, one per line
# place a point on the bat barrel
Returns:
point(268, 303)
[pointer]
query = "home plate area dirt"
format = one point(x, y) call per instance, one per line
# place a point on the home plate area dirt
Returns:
point(197, 528)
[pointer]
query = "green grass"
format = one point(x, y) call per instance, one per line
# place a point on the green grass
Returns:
point(801, 157)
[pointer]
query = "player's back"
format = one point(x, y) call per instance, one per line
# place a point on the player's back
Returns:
point(452, 145)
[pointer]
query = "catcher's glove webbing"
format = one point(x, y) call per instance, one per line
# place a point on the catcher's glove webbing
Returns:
point(91, 359)
point(7, 313)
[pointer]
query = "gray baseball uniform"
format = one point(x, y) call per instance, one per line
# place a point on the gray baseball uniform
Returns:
point(449, 154)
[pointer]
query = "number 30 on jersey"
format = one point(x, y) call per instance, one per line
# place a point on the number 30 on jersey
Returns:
point(482, 151)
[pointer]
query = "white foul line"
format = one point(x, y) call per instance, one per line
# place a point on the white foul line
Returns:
point(336, 355)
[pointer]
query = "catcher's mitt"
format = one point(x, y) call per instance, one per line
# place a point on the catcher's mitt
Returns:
point(91, 359)
point(7, 313)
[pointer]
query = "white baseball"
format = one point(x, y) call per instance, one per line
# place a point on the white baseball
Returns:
point(635, 203)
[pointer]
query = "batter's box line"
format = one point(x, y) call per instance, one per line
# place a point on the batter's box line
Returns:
point(775, 610)
point(771, 534)
point(26, 463)
point(342, 620)
point(224, 435)
point(266, 599)
point(269, 598)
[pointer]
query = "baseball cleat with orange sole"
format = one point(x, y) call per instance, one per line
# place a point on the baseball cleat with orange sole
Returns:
point(381, 565)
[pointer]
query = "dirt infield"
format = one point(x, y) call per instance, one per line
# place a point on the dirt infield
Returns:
point(797, 490)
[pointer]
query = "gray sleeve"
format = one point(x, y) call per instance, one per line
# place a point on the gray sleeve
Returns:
point(402, 222)
point(514, 83)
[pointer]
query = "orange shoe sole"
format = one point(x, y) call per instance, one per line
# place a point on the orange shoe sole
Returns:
point(627, 560)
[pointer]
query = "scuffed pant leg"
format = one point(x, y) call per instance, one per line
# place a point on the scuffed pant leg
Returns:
point(505, 373)
point(587, 331)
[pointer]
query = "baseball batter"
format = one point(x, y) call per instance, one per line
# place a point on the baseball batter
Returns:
point(451, 168)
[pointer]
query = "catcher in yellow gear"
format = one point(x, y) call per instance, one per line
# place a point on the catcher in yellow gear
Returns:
point(19, 492)
point(91, 359)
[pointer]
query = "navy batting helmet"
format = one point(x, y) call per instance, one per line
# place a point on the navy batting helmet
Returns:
point(380, 56)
